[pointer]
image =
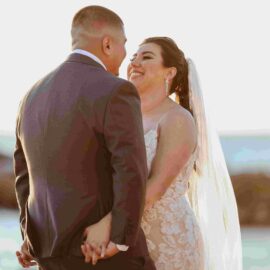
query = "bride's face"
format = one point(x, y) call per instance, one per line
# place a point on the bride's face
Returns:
point(146, 70)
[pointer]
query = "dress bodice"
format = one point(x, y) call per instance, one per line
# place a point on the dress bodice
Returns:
point(172, 234)
point(181, 181)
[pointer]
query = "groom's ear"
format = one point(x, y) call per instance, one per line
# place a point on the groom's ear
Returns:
point(106, 45)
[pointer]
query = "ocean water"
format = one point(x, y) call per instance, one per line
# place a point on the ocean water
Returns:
point(256, 248)
point(255, 243)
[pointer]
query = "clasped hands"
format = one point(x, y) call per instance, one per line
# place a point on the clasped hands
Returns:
point(97, 244)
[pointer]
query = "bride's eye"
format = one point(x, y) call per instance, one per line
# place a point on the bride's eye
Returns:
point(132, 59)
point(147, 57)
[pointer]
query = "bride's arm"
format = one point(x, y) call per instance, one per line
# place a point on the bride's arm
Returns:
point(176, 143)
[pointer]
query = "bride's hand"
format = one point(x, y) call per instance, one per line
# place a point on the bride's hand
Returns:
point(24, 257)
point(97, 236)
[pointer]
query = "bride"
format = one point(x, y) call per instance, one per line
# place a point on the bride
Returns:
point(190, 219)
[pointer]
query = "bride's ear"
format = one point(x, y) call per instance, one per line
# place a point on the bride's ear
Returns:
point(171, 73)
point(106, 45)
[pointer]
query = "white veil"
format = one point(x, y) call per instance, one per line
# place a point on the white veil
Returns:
point(211, 193)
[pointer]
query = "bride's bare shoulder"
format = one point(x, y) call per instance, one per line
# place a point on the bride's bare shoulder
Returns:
point(177, 115)
point(178, 123)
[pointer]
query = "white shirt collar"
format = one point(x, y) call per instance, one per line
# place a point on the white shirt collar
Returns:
point(92, 56)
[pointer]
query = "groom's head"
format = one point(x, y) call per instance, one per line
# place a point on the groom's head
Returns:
point(100, 31)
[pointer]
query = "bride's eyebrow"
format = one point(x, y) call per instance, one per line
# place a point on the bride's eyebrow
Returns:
point(143, 53)
point(146, 52)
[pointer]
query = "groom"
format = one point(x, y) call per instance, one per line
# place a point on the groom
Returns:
point(80, 154)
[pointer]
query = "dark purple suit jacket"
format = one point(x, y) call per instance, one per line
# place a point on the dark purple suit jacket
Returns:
point(79, 154)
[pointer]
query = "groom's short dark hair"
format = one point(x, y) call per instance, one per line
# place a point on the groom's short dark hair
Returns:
point(89, 16)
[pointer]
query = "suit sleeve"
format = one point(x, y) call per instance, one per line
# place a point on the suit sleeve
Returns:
point(21, 178)
point(124, 138)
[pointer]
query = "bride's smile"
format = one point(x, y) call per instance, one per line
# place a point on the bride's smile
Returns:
point(134, 74)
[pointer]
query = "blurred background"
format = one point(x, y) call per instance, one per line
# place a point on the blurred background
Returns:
point(229, 43)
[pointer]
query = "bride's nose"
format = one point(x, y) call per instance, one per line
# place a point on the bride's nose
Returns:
point(135, 62)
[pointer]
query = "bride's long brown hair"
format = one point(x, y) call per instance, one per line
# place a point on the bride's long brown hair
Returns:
point(173, 57)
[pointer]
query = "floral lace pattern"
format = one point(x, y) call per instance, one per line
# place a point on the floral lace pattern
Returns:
point(172, 233)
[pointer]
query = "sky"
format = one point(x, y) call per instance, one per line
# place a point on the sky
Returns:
point(229, 42)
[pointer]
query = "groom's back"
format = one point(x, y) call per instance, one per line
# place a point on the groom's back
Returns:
point(61, 131)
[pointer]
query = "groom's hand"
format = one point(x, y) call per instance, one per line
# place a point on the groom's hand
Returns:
point(111, 250)
point(97, 243)
point(97, 237)
point(91, 255)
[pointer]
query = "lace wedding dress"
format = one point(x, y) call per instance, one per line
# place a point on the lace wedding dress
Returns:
point(172, 233)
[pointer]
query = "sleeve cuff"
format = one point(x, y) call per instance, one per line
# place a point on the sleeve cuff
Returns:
point(122, 247)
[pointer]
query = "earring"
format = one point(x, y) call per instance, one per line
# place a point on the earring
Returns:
point(167, 87)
